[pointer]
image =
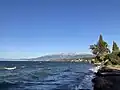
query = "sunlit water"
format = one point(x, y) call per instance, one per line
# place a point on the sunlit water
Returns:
point(45, 75)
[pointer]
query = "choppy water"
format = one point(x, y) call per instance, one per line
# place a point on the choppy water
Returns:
point(45, 75)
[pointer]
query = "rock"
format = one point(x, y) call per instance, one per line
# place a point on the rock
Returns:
point(107, 79)
point(101, 83)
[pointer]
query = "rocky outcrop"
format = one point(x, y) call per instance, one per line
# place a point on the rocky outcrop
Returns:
point(107, 79)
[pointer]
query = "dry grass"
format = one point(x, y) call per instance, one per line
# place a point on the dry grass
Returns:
point(117, 67)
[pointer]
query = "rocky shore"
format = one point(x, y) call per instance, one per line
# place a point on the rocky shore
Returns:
point(107, 79)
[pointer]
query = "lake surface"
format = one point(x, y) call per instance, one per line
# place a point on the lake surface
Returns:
point(29, 75)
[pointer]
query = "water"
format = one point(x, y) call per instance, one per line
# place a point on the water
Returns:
point(25, 75)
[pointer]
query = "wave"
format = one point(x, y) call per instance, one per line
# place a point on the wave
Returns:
point(6, 84)
point(32, 76)
point(86, 83)
point(12, 68)
point(95, 69)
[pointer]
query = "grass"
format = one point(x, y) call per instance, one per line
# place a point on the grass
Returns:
point(117, 67)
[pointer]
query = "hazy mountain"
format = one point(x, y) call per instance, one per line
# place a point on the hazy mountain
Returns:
point(52, 57)
point(61, 56)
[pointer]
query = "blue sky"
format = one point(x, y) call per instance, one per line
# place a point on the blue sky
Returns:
point(31, 28)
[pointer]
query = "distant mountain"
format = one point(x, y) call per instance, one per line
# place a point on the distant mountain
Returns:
point(60, 57)
point(6, 59)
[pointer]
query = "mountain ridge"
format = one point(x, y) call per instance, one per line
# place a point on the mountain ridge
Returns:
point(53, 57)
point(60, 56)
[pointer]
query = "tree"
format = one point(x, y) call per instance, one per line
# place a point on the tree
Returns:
point(100, 48)
point(103, 54)
point(114, 57)
point(94, 49)
point(115, 48)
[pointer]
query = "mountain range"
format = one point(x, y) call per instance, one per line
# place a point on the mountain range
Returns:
point(60, 57)
point(52, 57)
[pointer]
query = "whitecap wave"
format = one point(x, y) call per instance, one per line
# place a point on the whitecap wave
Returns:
point(86, 83)
point(12, 68)
point(95, 69)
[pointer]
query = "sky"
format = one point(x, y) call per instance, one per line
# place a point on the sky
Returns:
point(32, 28)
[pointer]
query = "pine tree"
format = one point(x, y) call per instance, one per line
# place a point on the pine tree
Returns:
point(115, 48)
point(101, 45)
point(100, 48)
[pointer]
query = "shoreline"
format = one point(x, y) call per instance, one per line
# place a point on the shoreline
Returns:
point(107, 78)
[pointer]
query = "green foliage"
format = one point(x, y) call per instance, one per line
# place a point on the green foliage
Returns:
point(103, 54)
point(94, 49)
point(115, 48)
point(108, 63)
point(100, 49)
point(114, 58)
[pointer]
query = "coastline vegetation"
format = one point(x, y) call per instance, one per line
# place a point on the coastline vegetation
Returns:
point(103, 53)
